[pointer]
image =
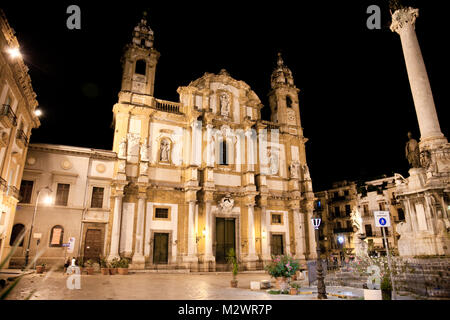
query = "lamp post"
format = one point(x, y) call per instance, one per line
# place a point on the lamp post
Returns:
point(27, 253)
point(321, 290)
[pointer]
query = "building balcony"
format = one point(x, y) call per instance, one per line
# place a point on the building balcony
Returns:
point(13, 192)
point(21, 139)
point(343, 230)
point(7, 116)
point(3, 184)
point(167, 106)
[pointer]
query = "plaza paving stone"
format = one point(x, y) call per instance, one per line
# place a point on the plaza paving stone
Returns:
point(160, 286)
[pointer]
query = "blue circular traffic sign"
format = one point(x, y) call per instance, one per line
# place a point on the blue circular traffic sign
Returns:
point(382, 221)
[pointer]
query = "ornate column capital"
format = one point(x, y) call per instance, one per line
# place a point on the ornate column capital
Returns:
point(404, 17)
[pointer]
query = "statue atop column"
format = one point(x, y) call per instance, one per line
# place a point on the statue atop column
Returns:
point(412, 152)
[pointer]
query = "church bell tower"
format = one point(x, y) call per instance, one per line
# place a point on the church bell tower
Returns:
point(139, 61)
point(283, 98)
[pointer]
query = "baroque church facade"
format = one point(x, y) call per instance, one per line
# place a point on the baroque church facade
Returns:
point(186, 181)
point(196, 178)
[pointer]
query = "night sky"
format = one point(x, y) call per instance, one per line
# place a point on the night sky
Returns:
point(356, 105)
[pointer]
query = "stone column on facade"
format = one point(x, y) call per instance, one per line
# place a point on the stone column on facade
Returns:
point(115, 233)
point(264, 235)
point(192, 241)
point(299, 227)
point(403, 22)
point(251, 232)
point(208, 235)
point(138, 259)
point(311, 234)
point(209, 146)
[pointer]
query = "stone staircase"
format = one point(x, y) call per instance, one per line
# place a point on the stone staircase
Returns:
point(345, 278)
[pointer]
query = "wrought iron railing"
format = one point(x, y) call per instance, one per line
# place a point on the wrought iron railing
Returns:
point(6, 111)
point(343, 230)
point(13, 191)
point(22, 137)
point(3, 184)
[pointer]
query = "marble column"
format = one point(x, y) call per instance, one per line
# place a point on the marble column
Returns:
point(264, 235)
point(115, 233)
point(299, 227)
point(138, 260)
point(251, 233)
point(208, 235)
point(191, 230)
point(403, 22)
point(311, 236)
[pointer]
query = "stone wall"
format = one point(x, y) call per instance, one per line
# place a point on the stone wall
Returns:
point(426, 277)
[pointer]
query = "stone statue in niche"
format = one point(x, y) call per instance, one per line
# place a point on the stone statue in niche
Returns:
point(165, 150)
point(273, 162)
point(412, 152)
point(133, 144)
point(123, 148)
point(294, 168)
point(306, 175)
point(144, 151)
point(224, 104)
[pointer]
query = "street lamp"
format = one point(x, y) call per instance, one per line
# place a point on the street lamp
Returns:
point(47, 200)
point(14, 52)
point(321, 291)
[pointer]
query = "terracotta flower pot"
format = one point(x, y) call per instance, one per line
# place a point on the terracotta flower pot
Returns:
point(40, 269)
point(281, 283)
point(105, 271)
point(112, 271)
point(293, 291)
point(234, 283)
point(90, 270)
point(122, 271)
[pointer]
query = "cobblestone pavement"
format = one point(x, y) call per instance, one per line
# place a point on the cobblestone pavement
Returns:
point(157, 286)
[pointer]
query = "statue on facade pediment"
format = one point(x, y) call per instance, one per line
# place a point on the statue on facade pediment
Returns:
point(226, 204)
point(224, 104)
point(412, 152)
point(123, 148)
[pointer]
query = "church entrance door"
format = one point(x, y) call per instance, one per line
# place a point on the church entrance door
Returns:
point(225, 238)
point(93, 244)
point(161, 248)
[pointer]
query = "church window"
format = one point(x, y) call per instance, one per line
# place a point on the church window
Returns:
point(56, 236)
point(97, 197)
point(276, 219)
point(288, 102)
point(62, 194)
point(26, 187)
point(17, 232)
point(140, 67)
point(161, 213)
point(223, 153)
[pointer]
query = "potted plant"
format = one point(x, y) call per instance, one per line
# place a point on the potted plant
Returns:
point(113, 266)
point(386, 288)
point(104, 266)
point(232, 260)
point(90, 267)
point(122, 266)
point(294, 289)
point(282, 268)
point(40, 268)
